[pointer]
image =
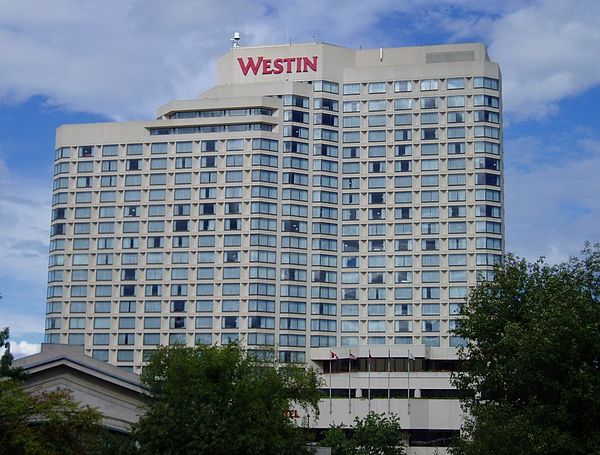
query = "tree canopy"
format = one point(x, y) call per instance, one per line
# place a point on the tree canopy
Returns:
point(220, 400)
point(49, 422)
point(6, 367)
point(531, 366)
point(375, 434)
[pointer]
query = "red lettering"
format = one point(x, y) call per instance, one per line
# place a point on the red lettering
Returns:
point(310, 64)
point(267, 66)
point(251, 64)
point(289, 62)
point(278, 65)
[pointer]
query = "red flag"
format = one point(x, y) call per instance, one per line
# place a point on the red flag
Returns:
point(334, 355)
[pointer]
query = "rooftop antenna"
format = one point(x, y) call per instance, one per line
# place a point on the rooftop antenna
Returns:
point(235, 41)
point(287, 24)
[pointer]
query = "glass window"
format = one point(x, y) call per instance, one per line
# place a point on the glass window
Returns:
point(429, 84)
point(428, 117)
point(134, 149)
point(376, 136)
point(351, 89)
point(430, 309)
point(110, 150)
point(429, 133)
point(326, 86)
point(351, 121)
point(456, 163)
point(403, 135)
point(456, 101)
point(455, 83)
point(296, 100)
point(376, 105)
point(183, 147)
point(402, 86)
point(486, 82)
point(234, 145)
point(376, 87)
point(403, 104)
point(377, 120)
point(430, 325)
point(429, 165)
point(402, 326)
point(159, 148)
point(351, 106)
point(327, 104)
point(456, 132)
point(429, 103)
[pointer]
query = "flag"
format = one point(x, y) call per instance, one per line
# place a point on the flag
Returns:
point(369, 380)
point(351, 357)
point(389, 390)
point(410, 357)
point(371, 359)
point(332, 356)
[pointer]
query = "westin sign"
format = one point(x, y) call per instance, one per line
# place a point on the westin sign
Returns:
point(262, 65)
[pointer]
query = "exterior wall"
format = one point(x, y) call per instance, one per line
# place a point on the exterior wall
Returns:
point(344, 207)
point(117, 394)
point(431, 416)
point(424, 413)
point(119, 408)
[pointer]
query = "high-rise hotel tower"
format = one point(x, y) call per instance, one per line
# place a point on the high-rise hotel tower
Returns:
point(318, 200)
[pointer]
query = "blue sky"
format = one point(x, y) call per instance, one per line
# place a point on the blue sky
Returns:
point(68, 61)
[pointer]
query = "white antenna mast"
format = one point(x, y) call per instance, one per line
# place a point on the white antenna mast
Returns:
point(235, 41)
point(287, 24)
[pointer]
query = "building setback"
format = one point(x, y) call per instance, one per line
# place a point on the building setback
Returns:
point(325, 202)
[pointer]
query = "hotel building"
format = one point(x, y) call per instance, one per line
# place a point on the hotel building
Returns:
point(326, 202)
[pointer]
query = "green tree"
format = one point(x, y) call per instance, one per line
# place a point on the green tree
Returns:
point(43, 423)
point(6, 368)
point(337, 440)
point(375, 434)
point(378, 434)
point(531, 366)
point(220, 400)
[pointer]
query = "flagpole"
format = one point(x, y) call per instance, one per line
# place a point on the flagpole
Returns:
point(369, 380)
point(349, 382)
point(408, 392)
point(330, 397)
point(388, 378)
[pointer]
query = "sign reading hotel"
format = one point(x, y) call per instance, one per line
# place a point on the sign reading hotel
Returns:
point(262, 65)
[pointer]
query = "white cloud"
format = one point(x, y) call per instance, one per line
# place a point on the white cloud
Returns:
point(24, 221)
point(547, 51)
point(124, 58)
point(22, 349)
point(552, 207)
point(24, 321)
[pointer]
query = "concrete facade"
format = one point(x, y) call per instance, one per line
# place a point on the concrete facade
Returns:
point(318, 200)
point(118, 394)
